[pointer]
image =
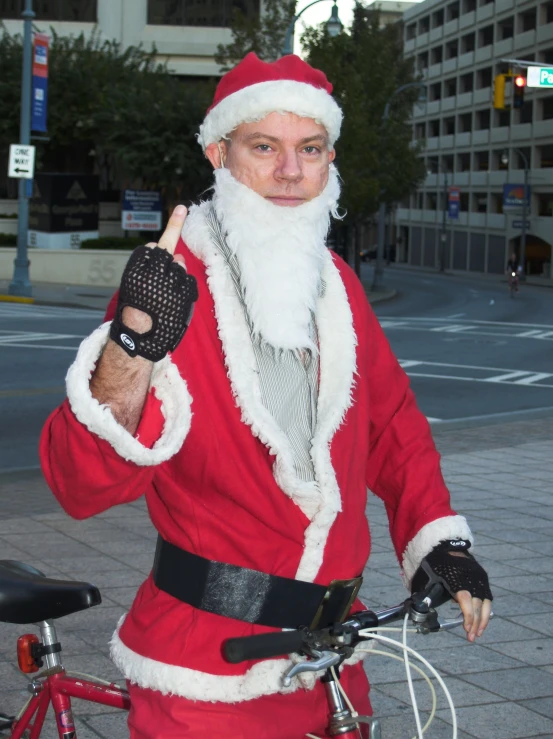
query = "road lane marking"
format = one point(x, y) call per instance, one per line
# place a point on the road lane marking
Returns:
point(508, 376)
point(525, 378)
point(471, 328)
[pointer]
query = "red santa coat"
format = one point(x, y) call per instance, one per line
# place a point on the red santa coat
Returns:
point(218, 472)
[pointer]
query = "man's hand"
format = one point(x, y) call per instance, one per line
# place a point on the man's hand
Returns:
point(137, 319)
point(122, 381)
point(450, 564)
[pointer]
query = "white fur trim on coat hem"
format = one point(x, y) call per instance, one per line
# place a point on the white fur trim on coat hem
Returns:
point(447, 527)
point(168, 386)
point(257, 101)
point(264, 678)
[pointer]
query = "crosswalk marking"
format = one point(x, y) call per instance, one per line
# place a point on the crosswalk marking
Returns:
point(507, 376)
point(503, 329)
point(466, 373)
point(8, 310)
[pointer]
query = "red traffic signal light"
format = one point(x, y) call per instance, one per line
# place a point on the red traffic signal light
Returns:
point(519, 83)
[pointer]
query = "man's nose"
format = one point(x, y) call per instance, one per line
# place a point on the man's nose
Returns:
point(289, 167)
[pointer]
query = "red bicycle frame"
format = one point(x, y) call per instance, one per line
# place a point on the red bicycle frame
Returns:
point(58, 688)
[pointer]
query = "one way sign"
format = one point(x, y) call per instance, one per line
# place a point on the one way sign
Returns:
point(22, 161)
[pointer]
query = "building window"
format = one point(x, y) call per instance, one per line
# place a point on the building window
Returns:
point(468, 6)
point(463, 162)
point(468, 43)
point(545, 204)
point(485, 36)
point(465, 123)
point(447, 163)
point(438, 18)
point(547, 108)
point(547, 56)
point(434, 127)
point(506, 28)
point(452, 49)
point(485, 2)
point(217, 13)
point(436, 55)
point(432, 165)
point(449, 126)
point(482, 161)
point(526, 113)
point(464, 202)
point(501, 118)
point(420, 201)
point(435, 91)
point(411, 32)
point(84, 11)
point(482, 119)
point(496, 202)
point(546, 13)
point(484, 78)
point(519, 160)
point(424, 24)
point(479, 202)
point(527, 21)
point(420, 131)
point(452, 12)
point(431, 201)
point(497, 160)
point(545, 154)
point(450, 87)
point(466, 82)
point(422, 61)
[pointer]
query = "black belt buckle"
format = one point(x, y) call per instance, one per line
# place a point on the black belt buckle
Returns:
point(335, 585)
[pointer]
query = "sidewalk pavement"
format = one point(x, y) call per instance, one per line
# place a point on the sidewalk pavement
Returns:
point(500, 478)
point(87, 296)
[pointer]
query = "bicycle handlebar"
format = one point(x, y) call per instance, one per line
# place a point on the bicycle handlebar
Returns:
point(340, 635)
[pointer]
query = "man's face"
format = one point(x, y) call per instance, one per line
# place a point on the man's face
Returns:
point(283, 158)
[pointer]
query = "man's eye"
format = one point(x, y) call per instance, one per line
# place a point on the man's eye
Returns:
point(312, 150)
point(263, 147)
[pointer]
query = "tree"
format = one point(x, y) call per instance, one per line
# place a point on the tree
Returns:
point(366, 65)
point(113, 111)
point(263, 33)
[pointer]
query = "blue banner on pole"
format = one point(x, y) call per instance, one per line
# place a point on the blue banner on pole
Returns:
point(514, 196)
point(453, 202)
point(39, 101)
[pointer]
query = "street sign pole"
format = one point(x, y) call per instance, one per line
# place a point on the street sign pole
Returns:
point(523, 234)
point(20, 284)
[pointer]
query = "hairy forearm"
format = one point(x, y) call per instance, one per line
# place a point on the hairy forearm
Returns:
point(122, 383)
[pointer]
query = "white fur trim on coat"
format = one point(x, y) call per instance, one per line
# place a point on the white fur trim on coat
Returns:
point(257, 101)
point(319, 500)
point(264, 678)
point(447, 527)
point(168, 386)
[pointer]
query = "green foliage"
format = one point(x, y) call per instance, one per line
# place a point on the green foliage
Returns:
point(263, 34)
point(8, 239)
point(112, 242)
point(112, 111)
point(366, 66)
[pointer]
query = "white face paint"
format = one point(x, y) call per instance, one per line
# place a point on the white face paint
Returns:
point(281, 255)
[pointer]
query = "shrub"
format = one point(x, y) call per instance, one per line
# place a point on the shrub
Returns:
point(113, 242)
point(8, 239)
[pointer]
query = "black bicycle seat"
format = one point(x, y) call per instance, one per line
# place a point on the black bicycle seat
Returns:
point(27, 596)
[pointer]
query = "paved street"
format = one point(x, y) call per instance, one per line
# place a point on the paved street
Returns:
point(487, 390)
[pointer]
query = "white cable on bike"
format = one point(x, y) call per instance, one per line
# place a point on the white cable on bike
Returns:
point(421, 672)
point(397, 645)
point(410, 679)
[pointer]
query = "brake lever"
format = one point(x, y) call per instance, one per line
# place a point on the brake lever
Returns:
point(323, 662)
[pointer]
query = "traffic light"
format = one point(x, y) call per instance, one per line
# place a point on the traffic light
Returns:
point(519, 85)
point(499, 91)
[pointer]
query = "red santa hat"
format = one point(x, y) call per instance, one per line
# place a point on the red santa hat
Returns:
point(254, 89)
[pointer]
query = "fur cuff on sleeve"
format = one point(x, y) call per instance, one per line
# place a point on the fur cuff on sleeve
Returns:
point(448, 527)
point(168, 386)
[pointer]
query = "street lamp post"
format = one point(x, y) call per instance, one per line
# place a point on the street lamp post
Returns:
point(378, 268)
point(20, 284)
point(443, 236)
point(505, 160)
point(333, 26)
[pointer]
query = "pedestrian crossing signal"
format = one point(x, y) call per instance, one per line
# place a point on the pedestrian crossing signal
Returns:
point(518, 91)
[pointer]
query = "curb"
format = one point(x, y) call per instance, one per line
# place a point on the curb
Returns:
point(372, 298)
point(15, 299)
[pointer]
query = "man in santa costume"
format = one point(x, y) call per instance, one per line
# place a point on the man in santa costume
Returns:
point(255, 437)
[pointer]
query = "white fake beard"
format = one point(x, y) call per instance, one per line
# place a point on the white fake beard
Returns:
point(280, 251)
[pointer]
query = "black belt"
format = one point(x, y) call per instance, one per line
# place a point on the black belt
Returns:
point(250, 595)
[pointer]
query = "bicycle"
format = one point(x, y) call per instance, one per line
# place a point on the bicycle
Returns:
point(28, 596)
point(513, 283)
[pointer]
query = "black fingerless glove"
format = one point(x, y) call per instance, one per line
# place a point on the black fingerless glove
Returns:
point(454, 573)
point(157, 285)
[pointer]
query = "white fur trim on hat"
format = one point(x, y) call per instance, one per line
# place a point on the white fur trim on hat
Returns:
point(168, 386)
point(257, 101)
point(447, 527)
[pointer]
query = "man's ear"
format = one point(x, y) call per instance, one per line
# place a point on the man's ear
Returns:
point(216, 153)
point(332, 155)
